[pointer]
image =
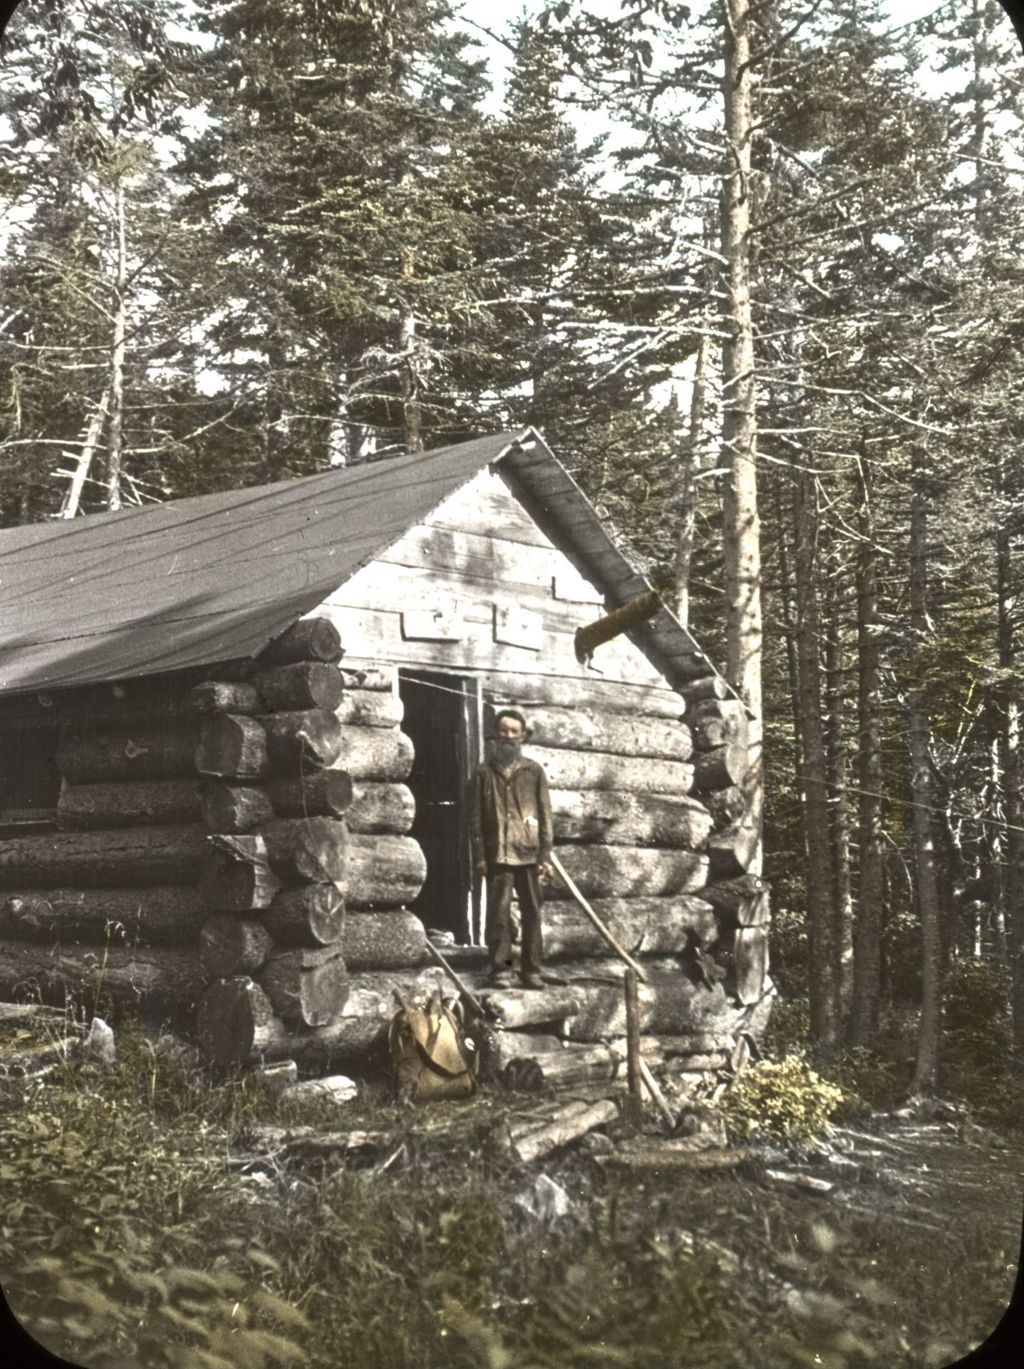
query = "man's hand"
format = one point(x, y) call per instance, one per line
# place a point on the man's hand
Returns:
point(481, 867)
point(546, 871)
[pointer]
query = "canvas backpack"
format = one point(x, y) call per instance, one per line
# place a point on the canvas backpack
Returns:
point(431, 1055)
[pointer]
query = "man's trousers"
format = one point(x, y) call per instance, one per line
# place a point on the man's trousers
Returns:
point(525, 881)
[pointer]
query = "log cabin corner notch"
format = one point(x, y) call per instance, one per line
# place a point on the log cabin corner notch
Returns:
point(261, 708)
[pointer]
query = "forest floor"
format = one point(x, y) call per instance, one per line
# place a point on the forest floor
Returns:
point(153, 1218)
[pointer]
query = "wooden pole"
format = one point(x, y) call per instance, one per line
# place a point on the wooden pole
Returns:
point(636, 611)
point(619, 950)
point(459, 983)
point(631, 989)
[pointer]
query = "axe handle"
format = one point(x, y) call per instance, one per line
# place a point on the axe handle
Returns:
point(619, 950)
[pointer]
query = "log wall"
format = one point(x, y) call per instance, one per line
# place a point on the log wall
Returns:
point(249, 830)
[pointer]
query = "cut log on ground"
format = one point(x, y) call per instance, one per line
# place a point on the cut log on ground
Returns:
point(232, 747)
point(568, 1125)
point(581, 1064)
point(722, 768)
point(384, 871)
point(232, 808)
point(601, 770)
point(512, 1008)
point(306, 987)
point(626, 871)
point(159, 981)
point(310, 639)
point(302, 740)
point(731, 850)
point(375, 753)
point(236, 875)
point(584, 729)
point(385, 940)
point(498, 1047)
point(370, 708)
point(335, 1088)
point(226, 696)
point(127, 857)
point(689, 1044)
point(312, 850)
point(644, 926)
point(310, 915)
point(161, 916)
point(379, 807)
point(607, 817)
point(315, 793)
point(236, 1025)
point(123, 803)
point(139, 753)
point(302, 685)
point(230, 945)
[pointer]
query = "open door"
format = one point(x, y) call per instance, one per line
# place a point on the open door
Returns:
point(443, 720)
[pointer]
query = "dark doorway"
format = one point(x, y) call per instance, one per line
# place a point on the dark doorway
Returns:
point(443, 721)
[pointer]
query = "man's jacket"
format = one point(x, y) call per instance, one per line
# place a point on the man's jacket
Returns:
point(510, 814)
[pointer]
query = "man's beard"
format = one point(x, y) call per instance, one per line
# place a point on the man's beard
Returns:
point(507, 753)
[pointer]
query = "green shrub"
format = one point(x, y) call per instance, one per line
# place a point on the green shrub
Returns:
point(868, 1078)
point(780, 1100)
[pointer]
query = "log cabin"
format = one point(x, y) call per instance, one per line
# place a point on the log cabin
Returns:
point(235, 738)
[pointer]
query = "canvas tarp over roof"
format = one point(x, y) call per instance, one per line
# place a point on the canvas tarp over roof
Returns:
point(171, 586)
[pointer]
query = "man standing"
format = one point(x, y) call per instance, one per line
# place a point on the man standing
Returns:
point(511, 832)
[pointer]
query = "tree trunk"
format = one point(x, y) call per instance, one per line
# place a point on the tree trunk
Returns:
point(741, 528)
point(929, 1031)
point(115, 428)
point(867, 932)
point(839, 821)
point(813, 779)
point(73, 497)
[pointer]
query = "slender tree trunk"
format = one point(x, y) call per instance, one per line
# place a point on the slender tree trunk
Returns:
point(689, 465)
point(929, 1029)
point(73, 497)
point(839, 820)
point(1011, 884)
point(741, 527)
point(409, 346)
point(813, 777)
point(867, 932)
point(115, 430)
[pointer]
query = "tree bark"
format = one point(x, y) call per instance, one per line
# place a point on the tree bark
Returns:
point(234, 807)
point(384, 871)
point(126, 858)
point(145, 752)
point(115, 428)
point(741, 527)
point(839, 820)
point(311, 850)
point(723, 768)
point(375, 753)
point(381, 808)
point(580, 729)
point(152, 803)
point(813, 779)
point(297, 741)
point(226, 696)
point(929, 1030)
point(867, 932)
point(370, 708)
point(236, 875)
point(623, 871)
point(601, 770)
point(625, 819)
point(386, 940)
point(164, 915)
point(644, 926)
